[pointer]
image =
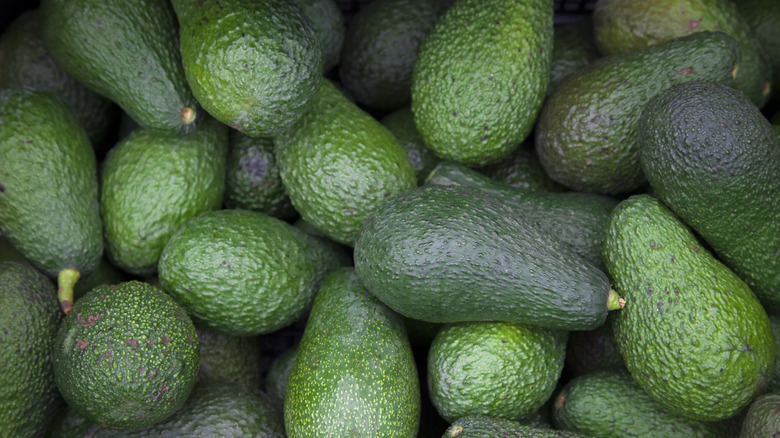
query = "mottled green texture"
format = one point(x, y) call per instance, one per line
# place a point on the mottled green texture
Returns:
point(401, 123)
point(49, 207)
point(28, 324)
point(243, 273)
point(339, 164)
point(578, 220)
point(24, 60)
point(713, 158)
point(329, 28)
point(126, 50)
point(230, 359)
point(497, 369)
point(480, 426)
point(278, 373)
point(592, 350)
point(252, 65)
point(354, 373)
point(105, 273)
point(609, 404)
point(522, 170)
point(573, 47)
point(762, 420)
point(763, 18)
point(126, 355)
point(481, 76)
point(774, 381)
point(453, 254)
point(153, 183)
point(586, 135)
point(692, 334)
point(252, 177)
point(625, 25)
point(380, 50)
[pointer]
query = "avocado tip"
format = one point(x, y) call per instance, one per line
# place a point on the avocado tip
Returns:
point(187, 115)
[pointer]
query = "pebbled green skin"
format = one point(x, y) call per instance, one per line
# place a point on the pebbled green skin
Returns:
point(401, 123)
point(763, 18)
point(481, 77)
point(252, 179)
point(713, 158)
point(49, 207)
point(578, 220)
point(498, 369)
point(592, 350)
point(152, 184)
point(339, 164)
point(452, 254)
point(25, 61)
point(230, 359)
point(479, 426)
point(573, 47)
point(625, 25)
point(126, 50)
point(761, 420)
point(380, 50)
point(252, 65)
point(126, 355)
point(243, 273)
point(586, 134)
point(522, 170)
point(329, 28)
point(609, 404)
point(354, 373)
point(28, 324)
point(278, 374)
point(692, 334)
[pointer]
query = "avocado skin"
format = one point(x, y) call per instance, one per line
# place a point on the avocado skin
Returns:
point(451, 254)
point(126, 355)
point(230, 359)
point(31, 314)
point(713, 158)
point(480, 78)
point(763, 17)
point(329, 28)
point(761, 419)
point(126, 50)
point(610, 404)
point(586, 134)
point(522, 170)
point(254, 66)
point(578, 220)
point(692, 333)
point(401, 123)
point(152, 183)
point(592, 350)
point(354, 372)
point(480, 426)
point(49, 207)
point(573, 47)
point(278, 374)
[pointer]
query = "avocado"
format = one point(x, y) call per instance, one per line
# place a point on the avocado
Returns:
point(354, 373)
point(586, 134)
point(774, 380)
point(401, 123)
point(498, 369)
point(25, 61)
point(49, 207)
point(126, 356)
point(329, 28)
point(578, 220)
point(761, 419)
point(252, 65)
point(763, 18)
point(339, 164)
point(610, 404)
point(231, 359)
point(252, 180)
point(243, 273)
point(453, 254)
point(692, 333)
point(620, 26)
point(481, 426)
point(70, 424)
point(714, 159)
point(126, 50)
point(522, 170)
point(594, 350)
point(28, 324)
point(480, 78)
point(380, 50)
point(574, 46)
point(278, 374)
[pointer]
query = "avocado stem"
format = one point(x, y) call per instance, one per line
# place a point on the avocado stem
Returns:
point(187, 115)
point(66, 279)
point(614, 301)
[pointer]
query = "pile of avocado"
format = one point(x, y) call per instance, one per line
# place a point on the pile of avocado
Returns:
point(412, 218)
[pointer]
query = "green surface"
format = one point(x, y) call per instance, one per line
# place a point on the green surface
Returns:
point(592, 350)
point(573, 47)
point(481, 76)
point(354, 373)
point(714, 159)
point(230, 359)
point(763, 18)
point(586, 134)
point(477, 426)
point(522, 170)
point(401, 123)
point(761, 419)
point(451, 254)
point(329, 28)
point(278, 374)
point(692, 334)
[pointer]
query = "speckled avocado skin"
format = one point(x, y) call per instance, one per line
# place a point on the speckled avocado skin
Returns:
point(762, 419)
point(692, 334)
point(354, 373)
point(481, 76)
point(478, 426)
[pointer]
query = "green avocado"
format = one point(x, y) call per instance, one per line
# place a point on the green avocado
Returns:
point(761, 419)
point(329, 27)
point(480, 426)
point(231, 359)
